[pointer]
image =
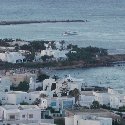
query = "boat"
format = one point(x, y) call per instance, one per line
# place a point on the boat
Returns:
point(69, 33)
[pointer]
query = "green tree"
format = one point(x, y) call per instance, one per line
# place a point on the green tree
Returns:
point(42, 77)
point(24, 103)
point(23, 86)
point(37, 101)
point(75, 93)
point(95, 105)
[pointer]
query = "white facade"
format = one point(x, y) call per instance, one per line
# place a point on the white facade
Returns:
point(117, 100)
point(57, 54)
point(61, 102)
point(67, 83)
point(102, 97)
point(47, 83)
point(17, 97)
point(86, 100)
point(20, 113)
point(12, 57)
point(57, 102)
point(5, 83)
point(87, 120)
point(33, 84)
point(3, 98)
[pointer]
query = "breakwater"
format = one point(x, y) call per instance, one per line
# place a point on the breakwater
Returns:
point(39, 21)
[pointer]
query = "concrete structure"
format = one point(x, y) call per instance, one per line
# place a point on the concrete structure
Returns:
point(12, 57)
point(20, 114)
point(17, 97)
point(56, 53)
point(33, 84)
point(16, 78)
point(3, 98)
point(87, 120)
point(61, 85)
point(86, 98)
point(102, 97)
point(117, 98)
point(5, 83)
point(57, 102)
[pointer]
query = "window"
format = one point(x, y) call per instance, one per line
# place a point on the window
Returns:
point(3, 98)
point(23, 116)
point(30, 115)
point(12, 117)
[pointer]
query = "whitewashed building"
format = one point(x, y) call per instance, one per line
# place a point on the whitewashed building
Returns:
point(87, 120)
point(10, 114)
point(86, 98)
point(3, 98)
point(5, 84)
point(58, 102)
point(12, 57)
point(33, 84)
point(102, 97)
point(117, 98)
point(56, 53)
point(68, 83)
point(17, 97)
point(47, 83)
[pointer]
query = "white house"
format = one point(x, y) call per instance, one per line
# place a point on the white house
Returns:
point(57, 102)
point(68, 83)
point(117, 98)
point(56, 53)
point(11, 114)
point(17, 97)
point(5, 84)
point(102, 97)
point(3, 98)
point(37, 95)
point(87, 120)
point(12, 57)
point(86, 98)
point(47, 83)
point(33, 84)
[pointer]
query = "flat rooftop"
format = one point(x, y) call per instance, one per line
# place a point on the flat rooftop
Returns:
point(20, 107)
point(97, 112)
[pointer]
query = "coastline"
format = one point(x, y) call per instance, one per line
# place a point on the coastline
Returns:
point(105, 61)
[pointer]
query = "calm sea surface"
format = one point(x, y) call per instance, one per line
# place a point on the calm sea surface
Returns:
point(102, 76)
point(105, 28)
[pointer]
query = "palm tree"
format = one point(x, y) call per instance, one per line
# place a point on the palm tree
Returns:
point(75, 93)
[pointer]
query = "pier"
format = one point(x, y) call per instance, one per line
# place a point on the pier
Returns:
point(40, 21)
